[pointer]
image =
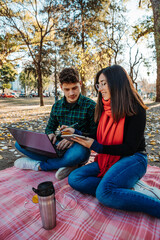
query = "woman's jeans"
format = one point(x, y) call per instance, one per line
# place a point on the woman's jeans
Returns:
point(115, 188)
point(76, 154)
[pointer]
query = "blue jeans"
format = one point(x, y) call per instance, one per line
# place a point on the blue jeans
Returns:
point(76, 154)
point(114, 189)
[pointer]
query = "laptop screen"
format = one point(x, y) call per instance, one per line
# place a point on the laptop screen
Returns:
point(36, 142)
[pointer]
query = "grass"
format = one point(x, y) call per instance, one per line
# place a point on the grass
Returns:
point(25, 101)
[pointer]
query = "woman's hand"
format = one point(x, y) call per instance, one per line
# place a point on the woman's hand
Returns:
point(84, 142)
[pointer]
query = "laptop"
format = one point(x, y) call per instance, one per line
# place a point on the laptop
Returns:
point(36, 142)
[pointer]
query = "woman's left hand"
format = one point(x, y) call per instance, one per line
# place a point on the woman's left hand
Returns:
point(84, 142)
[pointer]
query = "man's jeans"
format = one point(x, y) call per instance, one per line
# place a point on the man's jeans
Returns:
point(76, 154)
point(114, 189)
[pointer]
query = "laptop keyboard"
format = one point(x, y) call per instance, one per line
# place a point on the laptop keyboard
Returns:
point(60, 152)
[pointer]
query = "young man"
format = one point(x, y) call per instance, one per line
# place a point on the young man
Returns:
point(73, 108)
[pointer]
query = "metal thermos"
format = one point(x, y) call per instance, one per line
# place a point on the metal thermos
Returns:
point(47, 204)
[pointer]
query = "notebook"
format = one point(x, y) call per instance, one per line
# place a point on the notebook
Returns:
point(68, 137)
point(36, 142)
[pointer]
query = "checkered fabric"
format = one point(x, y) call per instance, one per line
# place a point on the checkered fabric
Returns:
point(88, 220)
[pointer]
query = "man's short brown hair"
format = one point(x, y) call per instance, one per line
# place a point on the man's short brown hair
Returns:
point(69, 75)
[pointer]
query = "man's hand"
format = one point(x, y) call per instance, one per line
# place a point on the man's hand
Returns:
point(64, 144)
point(67, 129)
point(52, 138)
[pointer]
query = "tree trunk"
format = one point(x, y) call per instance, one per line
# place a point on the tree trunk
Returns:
point(83, 86)
point(156, 15)
point(41, 94)
point(40, 86)
point(55, 79)
point(83, 48)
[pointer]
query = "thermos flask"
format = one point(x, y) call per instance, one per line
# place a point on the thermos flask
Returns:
point(47, 204)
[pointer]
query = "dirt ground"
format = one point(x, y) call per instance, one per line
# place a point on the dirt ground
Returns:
point(27, 114)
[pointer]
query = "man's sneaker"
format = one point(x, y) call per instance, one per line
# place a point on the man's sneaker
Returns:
point(27, 163)
point(147, 190)
point(64, 172)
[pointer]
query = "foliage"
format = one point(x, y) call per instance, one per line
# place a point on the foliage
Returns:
point(143, 28)
point(79, 26)
point(28, 77)
point(113, 30)
point(103, 43)
point(91, 61)
point(6, 85)
point(81, 20)
point(7, 73)
point(34, 24)
point(8, 45)
point(146, 27)
point(28, 80)
point(88, 35)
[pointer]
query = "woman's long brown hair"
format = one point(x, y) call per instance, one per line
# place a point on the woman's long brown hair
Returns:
point(124, 97)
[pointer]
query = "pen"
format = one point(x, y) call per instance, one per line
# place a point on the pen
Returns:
point(70, 126)
point(74, 124)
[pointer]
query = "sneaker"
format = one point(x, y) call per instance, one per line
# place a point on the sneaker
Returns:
point(147, 190)
point(27, 163)
point(64, 172)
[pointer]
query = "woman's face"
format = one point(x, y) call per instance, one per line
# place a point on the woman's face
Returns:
point(103, 87)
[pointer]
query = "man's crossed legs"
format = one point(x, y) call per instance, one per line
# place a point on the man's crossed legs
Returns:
point(75, 156)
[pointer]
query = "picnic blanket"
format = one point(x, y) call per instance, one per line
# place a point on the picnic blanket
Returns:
point(88, 219)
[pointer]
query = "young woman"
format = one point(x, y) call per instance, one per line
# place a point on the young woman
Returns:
point(120, 144)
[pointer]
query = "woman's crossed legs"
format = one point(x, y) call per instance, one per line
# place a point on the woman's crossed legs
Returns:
point(115, 188)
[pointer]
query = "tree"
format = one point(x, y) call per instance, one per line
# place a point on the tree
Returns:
point(104, 45)
point(34, 24)
point(134, 64)
point(156, 15)
point(28, 76)
point(113, 31)
point(8, 45)
point(150, 25)
point(6, 85)
point(81, 23)
point(7, 74)
point(90, 62)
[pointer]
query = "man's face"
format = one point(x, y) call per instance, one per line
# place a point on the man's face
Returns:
point(71, 91)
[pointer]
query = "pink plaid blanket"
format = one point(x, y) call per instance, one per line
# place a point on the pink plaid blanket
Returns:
point(20, 217)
